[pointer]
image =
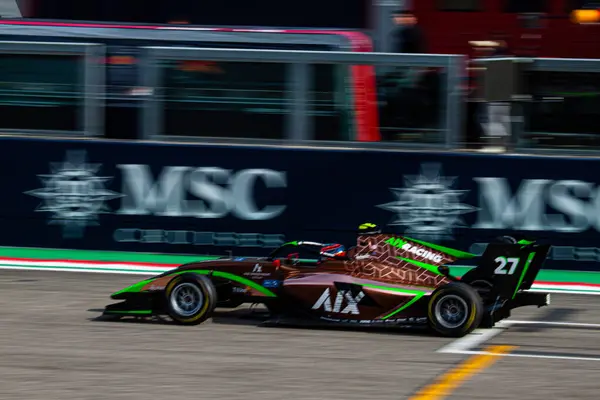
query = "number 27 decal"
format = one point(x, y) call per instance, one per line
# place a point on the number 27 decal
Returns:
point(504, 263)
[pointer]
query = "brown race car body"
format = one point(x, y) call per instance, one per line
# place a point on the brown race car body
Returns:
point(384, 280)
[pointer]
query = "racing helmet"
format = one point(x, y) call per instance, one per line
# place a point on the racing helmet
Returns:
point(369, 228)
point(333, 250)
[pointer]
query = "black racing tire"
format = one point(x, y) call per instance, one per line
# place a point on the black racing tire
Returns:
point(463, 302)
point(200, 294)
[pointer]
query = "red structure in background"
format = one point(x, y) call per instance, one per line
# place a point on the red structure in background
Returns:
point(537, 28)
point(541, 28)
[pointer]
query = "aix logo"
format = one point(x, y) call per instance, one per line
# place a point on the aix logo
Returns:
point(416, 250)
point(344, 303)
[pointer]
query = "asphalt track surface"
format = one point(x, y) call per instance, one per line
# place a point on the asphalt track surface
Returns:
point(52, 347)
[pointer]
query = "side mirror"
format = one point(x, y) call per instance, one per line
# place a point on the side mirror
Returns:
point(294, 258)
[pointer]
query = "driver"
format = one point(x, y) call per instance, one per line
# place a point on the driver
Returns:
point(369, 228)
point(336, 250)
point(365, 230)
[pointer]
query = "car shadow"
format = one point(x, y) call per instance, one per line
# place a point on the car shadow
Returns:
point(261, 319)
point(134, 319)
point(229, 317)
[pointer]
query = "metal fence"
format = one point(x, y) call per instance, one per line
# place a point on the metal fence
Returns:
point(50, 76)
point(271, 96)
point(299, 71)
point(286, 97)
point(554, 108)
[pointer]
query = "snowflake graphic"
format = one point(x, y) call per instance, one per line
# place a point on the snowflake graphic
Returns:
point(73, 194)
point(428, 206)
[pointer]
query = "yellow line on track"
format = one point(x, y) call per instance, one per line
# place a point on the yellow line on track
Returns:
point(451, 380)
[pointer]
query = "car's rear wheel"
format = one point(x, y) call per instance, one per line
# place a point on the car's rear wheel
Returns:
point(455, 309)
point(190, 298)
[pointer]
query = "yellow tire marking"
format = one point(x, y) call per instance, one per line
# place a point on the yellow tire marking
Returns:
point(441, 292)
point(451, 380)
point(472, 317)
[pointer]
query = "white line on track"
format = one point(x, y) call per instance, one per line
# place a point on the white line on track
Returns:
point(474, 339)
point(480, 336)
point(82, 265)
point(471, 352)
point(565, 291)
point(576, 324)
point(90, 270)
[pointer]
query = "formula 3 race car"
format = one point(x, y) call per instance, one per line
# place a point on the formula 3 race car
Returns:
point(385, 280)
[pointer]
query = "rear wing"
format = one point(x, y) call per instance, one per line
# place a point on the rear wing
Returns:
point(508, 268)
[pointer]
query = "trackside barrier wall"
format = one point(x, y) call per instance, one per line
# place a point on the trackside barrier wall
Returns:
point(217, 198)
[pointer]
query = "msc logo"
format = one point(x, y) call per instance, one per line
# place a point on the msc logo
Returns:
point(343, 298)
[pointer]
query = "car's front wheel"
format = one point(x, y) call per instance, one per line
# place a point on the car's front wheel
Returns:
point(455, 309)
point(190, 298)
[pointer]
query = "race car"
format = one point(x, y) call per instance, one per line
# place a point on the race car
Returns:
point(385, 280)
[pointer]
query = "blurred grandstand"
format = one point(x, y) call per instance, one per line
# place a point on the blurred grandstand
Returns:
point(557, 109)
